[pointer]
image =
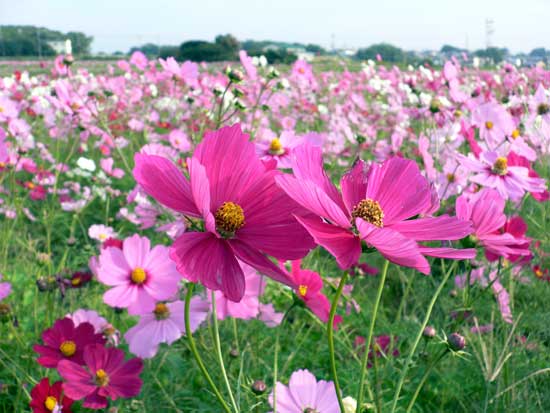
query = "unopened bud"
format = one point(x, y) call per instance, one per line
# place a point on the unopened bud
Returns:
point(259, 387)
point(456, 342)
point(234, 353)
point(429, 332)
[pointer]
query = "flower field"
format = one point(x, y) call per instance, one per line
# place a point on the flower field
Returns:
point(183, 237)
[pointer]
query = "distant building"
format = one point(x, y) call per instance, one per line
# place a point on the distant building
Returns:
point(57, 45)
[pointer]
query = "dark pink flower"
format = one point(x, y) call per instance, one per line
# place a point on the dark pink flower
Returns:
point(105, 375)
point(64, 341)
point(46, 398)
point(376, 205)
point(245, 214)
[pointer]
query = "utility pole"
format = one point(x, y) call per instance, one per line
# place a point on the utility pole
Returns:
point(489, 31)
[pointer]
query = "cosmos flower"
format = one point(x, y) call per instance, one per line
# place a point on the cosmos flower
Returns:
point(140, 276)
point(101, 232)
point(89, 316)
point(308, 286)
point(375, 206)
point(246, 216)
point(46, 398)
point(493, 171)
point(64, 341)
point(494, 122)
point(249, 306)
point(485, 210)
point(106, 376)
point(5, 289)
point(305, 394)
point(165, 324)
point(279, 148)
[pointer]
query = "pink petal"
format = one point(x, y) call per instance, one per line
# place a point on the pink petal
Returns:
point(200, 188)
point(341, 243)
point(161, 179)
point(135, 250)
point(436, 228)
point(354, 185)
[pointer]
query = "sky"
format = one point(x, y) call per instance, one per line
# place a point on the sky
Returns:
point(409, 24)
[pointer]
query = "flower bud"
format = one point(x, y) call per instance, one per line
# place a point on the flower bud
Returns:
point(234, 353)
point(259, 387)
point(429, 332)
point(456, 342)
point(350, 404)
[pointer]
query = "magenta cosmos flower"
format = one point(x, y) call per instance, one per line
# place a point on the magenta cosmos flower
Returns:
point(485, 210)
point(46, 398)
point(140, 276)
point(106, 375)
point(308, 288)
point(305, 394)
point(5, 289)
point(376, 205)
point(64, 341)
point(245, 214)
point(493, 171)
point(165, 324)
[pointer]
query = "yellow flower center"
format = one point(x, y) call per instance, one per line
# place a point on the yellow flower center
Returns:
point(139, 276)
point(229, 218)
point(162, 312)
point(489, 125)
point(276, 147)
point(50, 403)
point(370, 211)
point(68, 348)
point(538, 272)
point(515, 134)
point(76, 281)
point(501, 166)
point(302, 289)
point(1, 109)
point(458, 113)
point(109, 331)
point(101, 378)
point(451, 177)
point(102, 237)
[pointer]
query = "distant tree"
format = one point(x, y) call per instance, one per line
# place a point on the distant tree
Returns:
point(202, 51)
point(495, 54)
point(148, 49)
point(448, 49)
point(280, 56)
point(82, 44)
point(314, 48)
point(229, 44)
point(388, 52)
point(170, 51)
point(538, 52)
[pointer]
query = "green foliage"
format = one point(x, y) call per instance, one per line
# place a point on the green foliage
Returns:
point(388, 52)
point(34, 41)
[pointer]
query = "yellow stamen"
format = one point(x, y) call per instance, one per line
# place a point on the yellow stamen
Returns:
point(162, 312)
point(501, 166)
point(101, 378)
point(68, 348)
point(76, 281)
point(276, 147)
point(50, 403)
point(515, 134)
point(370, 211)
point(229, 218)
point(139, 276)
point(302, 289)
point(451, 177)
point(489, 125)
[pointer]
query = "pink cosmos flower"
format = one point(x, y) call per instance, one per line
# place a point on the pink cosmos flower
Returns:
point(305, 394)
point(485, 210)
point(375, 205)
point(494, 122)
point(106, 375)
point(493, 171)
point(246, 216)
point(517, 228)
point(101, 232)
point(308, 286)
point(165, 324)
point(5, 289)
point(249, 306)
point(64, 341)
point(88, 316)
point(107, 165)
point(179, 140)
point(279, 148)
point(517, 160)
point(140, 276)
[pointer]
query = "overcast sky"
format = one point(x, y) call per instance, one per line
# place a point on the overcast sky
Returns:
point(410, 24)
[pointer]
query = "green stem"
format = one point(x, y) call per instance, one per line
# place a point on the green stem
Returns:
point(276, 355)
point(193, 348)
point(330, 334)
point(369, 336)
point(219, 351)
point(419, 337)
point(423, 380)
